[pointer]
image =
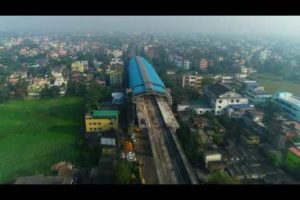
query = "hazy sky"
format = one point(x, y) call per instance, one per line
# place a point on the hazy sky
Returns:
point(280, 25)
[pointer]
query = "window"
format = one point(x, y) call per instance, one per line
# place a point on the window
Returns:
point(220, 101)
point(218, 112)
point(94, 123)
point(237, 100)
point(219, 106)
point(110, 123)
point(99, 123)
point(91, 129)
point(232, 101)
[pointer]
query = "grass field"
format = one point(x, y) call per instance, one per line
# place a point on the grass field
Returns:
point(36, 134)
point(274, 83)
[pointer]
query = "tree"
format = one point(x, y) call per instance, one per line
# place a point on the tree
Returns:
point(276, 158)
point(52, 92)
point(221, 177)
point(123, 172)
point(192, 93)
point(95, 94)
point(4, 95)
point(75, 88)
point(207, 81)
point(218, 139)
point(270, 111)
point(189, 142)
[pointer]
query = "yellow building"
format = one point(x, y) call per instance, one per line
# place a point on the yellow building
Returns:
point(79, 66)
point(101, 121)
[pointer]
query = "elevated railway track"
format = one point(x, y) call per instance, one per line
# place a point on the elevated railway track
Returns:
point(170, 167)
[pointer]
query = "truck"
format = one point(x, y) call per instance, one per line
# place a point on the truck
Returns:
point(129, 151)
point(128, 146)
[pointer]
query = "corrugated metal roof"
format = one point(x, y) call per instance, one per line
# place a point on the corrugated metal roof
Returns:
point(218, 89)
point(295, 150)
point(143, 78)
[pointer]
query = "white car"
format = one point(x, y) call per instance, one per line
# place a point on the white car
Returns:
point(131, 156)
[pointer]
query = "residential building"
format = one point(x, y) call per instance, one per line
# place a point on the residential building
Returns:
point(116, 77)
point(199, 106)
point(264, 55)
point(56, 74)
point(60, 81)
point(152, 51)
point(79, 66)
point(247, 70)
point(191, 80)
point(238, 111)
point(101, 121)
point(171, 72)
point(186, 64)
point(179, 63)
point(249, 137)
point(220, 59)
point(203, 64)
point(116, 53)
point(211, 156)
point(289, 103)
point(252, 91)
point(35, 87)
point(237, 76)
point(224, 79)
point(253, 120)
point(34, 66)
point(227, 79)
point(117, 97)
point(16, 76)
point(221, 96)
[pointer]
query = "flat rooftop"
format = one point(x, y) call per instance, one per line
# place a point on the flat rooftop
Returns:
point(288, 97)
point(105, 113)
point(292, 99)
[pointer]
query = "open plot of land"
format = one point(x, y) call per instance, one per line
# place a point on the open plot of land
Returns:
point(36, 134)
point(273, 83)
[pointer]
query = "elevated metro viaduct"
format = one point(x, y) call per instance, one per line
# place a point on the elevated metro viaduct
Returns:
point(149, 97)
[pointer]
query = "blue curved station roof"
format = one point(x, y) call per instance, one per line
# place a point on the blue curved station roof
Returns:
point(143, 78)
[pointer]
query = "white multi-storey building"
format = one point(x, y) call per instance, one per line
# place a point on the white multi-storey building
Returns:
point(222, 96)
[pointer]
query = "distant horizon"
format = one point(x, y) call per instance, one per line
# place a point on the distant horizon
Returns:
point(227, 25)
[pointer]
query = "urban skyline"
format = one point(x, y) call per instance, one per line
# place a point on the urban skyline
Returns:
point(264, 25)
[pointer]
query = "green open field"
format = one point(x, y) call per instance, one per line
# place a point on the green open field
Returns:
point(273, 83)
point(36, 134)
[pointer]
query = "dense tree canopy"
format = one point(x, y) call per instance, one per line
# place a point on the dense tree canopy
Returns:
point(123, 172)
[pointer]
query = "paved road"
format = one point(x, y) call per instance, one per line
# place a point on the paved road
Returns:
point(148, 123)
point(144, 154)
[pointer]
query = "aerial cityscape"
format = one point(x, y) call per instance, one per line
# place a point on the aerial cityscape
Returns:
point(149, 100)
